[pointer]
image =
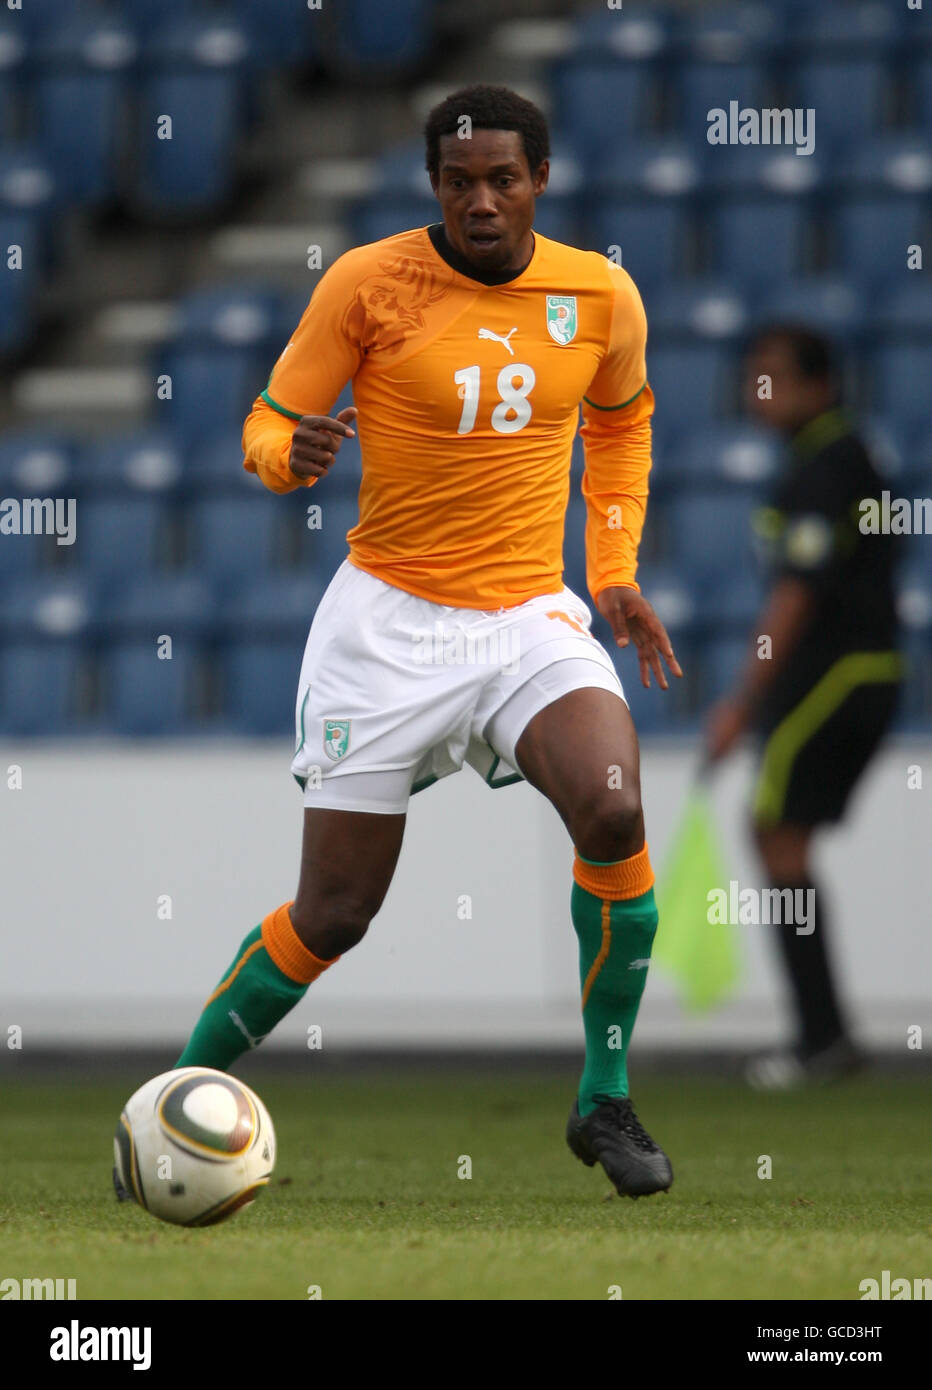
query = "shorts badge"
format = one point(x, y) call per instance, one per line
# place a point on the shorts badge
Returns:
point(336, 738)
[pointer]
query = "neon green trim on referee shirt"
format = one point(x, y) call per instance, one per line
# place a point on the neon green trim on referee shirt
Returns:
point(805, 719)
point(615, 407)
point(292, 414)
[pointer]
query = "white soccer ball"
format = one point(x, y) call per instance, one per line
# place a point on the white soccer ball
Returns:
point(193, 1146)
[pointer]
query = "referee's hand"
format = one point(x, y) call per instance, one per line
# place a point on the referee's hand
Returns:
point(316, 441)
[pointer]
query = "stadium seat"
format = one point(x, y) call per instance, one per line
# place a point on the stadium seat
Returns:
point(39, 687)
point(231, 536)
point(281, 33)
point(710, 530)
point(599, 101)
point(704, 307)
point(36, 462)
point(145, 695)
point(630, 34)
point(155, 604)
point(827, 303)
point(371, 39)
point(388, 214)
point(213, 387)
point(267, 623)
point(147, 461)
point(881, 205)
point(120, 534)
point(323, 550)
point(721, 661)
point(652, 236)
point(849, 94)
point(81, 98)
point(192, 71)
point(736, 454)
point(691, 382)
point(759, 238)
point(18, 286)
point(901, 375)
point(14, 48)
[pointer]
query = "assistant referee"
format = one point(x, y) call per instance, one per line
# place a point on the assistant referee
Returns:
point(824, 696)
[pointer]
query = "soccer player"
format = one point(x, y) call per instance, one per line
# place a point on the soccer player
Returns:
point(470, 345)
point(824, 700)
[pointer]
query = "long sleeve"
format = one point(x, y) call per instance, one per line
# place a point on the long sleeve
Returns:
point(616, 435)
point(322, 355)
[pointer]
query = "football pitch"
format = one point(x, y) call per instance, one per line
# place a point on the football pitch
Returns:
point(370, 1198)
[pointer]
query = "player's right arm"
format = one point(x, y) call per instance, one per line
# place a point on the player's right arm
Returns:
point(289, 437)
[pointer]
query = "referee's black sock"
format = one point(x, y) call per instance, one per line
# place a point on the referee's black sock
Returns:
point(818, 1013)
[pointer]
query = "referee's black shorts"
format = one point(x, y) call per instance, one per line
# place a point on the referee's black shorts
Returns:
point(815, 748)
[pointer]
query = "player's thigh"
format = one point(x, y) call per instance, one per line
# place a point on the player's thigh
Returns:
point(582, 752)
point(347, 862)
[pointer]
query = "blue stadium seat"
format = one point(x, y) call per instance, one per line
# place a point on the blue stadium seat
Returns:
point(81, 103)
point(709, 531)
point(18, 286)
point(641, 35)
point(13, 52)
point(721, 662)
point(235, 535)
point(848, 93)
point(654, 236)
point(145, 695)
point(192, 71)
point(902, 371)
point(388, 214)
point(881, 206)
point(28, 193)
point(51, 15)
point(120, 534)
point(600, 100)
point(855, 26)
point(281, 32)
point(213, 387)
point(267, 624)
point(737, 454)
point(36, 462)
point(242, 315)
point(691, 382)
point(369, 38)
point(828, 303)
point(324, 550)
point(760, 238)
point(907, 309)
point(38, 687)
point(150, 606)
point(147, 460)
point(699, 308)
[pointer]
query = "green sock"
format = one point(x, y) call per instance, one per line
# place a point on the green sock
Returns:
point(615, 940)
point(251, 998)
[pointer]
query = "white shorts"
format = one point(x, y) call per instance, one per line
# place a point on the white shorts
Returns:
point(397, 692)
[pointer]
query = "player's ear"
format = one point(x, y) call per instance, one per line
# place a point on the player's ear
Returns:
point(540, 178)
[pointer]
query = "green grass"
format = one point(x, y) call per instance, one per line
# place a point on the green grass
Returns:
point(366, 1202)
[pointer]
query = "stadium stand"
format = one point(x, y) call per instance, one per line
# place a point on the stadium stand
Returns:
point(175, 537)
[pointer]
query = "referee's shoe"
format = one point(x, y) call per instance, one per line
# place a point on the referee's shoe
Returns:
point(614, 1136)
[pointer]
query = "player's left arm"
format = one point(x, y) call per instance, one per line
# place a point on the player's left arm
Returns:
point(616, 435)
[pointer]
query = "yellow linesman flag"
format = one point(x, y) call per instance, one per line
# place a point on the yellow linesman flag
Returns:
point(703, 956)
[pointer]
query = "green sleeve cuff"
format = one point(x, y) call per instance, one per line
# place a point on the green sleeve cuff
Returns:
point(615, 407)
point(292, 415)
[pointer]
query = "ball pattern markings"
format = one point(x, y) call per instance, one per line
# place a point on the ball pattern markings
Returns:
point(210, 1116)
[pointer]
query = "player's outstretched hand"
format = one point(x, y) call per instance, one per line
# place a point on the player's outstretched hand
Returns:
point(316, 441)
point(632, 619)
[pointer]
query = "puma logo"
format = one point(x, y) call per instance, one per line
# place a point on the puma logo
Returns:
point(487, 333)
point(235, 1018)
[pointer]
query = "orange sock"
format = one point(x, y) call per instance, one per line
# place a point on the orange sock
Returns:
point(288, 951)
point(627, 878)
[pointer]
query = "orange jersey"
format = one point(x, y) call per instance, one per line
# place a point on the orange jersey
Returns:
point(469, 398)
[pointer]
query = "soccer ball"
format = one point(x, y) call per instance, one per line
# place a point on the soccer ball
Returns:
point(193, 1146)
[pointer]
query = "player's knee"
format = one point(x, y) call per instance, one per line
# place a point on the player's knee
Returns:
point(612, 827)
point(331, 928)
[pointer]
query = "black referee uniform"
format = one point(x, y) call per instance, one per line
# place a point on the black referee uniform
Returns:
point(829, 706)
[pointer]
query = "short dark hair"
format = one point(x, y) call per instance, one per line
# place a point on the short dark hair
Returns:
point(813, 354)
point(488, 108)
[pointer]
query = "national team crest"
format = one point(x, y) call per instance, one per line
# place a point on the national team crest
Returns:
point(561, 318)
point(336, 738)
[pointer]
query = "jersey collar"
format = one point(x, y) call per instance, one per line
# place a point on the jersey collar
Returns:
point(449, 254)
